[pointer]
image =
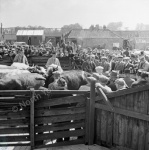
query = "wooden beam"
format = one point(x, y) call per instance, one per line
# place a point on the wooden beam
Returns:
point(32, 133)
point(101, 93)
point(123, 112)
point(91, 110)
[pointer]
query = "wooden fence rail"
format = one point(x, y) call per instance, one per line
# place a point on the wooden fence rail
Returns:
point(126, 126)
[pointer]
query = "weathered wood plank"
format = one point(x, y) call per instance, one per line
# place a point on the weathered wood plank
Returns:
point(14, 138)
point(12, 122)
point(60, 126)
point(65, 143)
point(58, 101)
point(87, 122)
point(124, 112)
point(60, 118)
point(60, 111)
point(32, 125)
point(16, 130)
point(135, 128)
point(110, 119)
point(128, 91)
point(10, 114)
point(103, 126)
point(60, 134)
point(98, 126)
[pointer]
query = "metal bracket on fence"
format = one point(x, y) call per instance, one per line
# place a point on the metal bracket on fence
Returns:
point(106, 100)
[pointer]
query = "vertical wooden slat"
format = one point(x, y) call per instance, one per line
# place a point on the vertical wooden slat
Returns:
point(32, 118)
point(87, 122)
point(92, 112)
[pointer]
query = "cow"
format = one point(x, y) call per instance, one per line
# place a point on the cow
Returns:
point(49, 74)
point(71, 80)
point(6, 67)
point(10, 72)
point(18, 65)
point(22, 82)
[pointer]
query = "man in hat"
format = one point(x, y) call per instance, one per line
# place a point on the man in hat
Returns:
point(127, 64)
point(105, 64)
point(20, 57)
point(119, 66)
point(134, 61)
point(88, 65)
point(120, 84)
point(99, 70)
point(126, 53)
point(143, 65)
point(53, 60)
point(113, 76)
point(127, 78)
point(102, 83)
point(141, 79)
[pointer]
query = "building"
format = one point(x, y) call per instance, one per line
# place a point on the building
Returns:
point(55, 35)
point(31, 37)
point(95, 38)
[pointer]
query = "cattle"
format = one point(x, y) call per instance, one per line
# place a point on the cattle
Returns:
point(37, 69)
point(49, 74)
point(22, 82)
point(71, 80)
point(18, 65)
point(10, 72)
point(6, 67)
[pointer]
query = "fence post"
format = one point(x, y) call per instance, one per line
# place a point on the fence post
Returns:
point(32, 133)
point(91, 111)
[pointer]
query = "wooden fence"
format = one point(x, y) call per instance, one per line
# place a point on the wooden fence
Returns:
point(41, 61)
point(126, 122)
point(35, 118)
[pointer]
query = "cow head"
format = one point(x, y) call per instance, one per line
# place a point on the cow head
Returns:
point(51, 69)
point(61, 82)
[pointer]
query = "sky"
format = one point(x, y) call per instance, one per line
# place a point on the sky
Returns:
point(56, 13)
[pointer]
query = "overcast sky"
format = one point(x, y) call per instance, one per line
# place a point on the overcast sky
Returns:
point(56, 13)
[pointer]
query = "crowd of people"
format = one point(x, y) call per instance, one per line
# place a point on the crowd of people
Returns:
point(99, 61)
point(117, 72)
point(64, 49)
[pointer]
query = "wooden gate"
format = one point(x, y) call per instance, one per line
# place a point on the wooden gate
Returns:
point(35, 118)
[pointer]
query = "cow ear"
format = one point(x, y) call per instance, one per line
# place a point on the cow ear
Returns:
point(40, 78)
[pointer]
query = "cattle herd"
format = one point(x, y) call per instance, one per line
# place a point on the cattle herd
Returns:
point(19, 76)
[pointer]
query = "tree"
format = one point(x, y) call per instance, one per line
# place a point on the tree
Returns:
point(96, 27)
point(141, 26)
point(91, 27)
point(115, 25)
point(72, 26)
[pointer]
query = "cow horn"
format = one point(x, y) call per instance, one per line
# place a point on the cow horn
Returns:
point(40, 78)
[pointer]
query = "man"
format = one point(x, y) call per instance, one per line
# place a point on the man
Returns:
point(113, 76)
point(120, 84)
point(99, 70)
point(20, 57)
point(88, 65)
point(143, 65)
point(119, 66)
point(69, 48)
point(105, 64)
point(127, 64)
point(53, 60)
point(141, 79)
point(127, 78)
point(126, 53)
point(102, 83)
point(134, 61)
